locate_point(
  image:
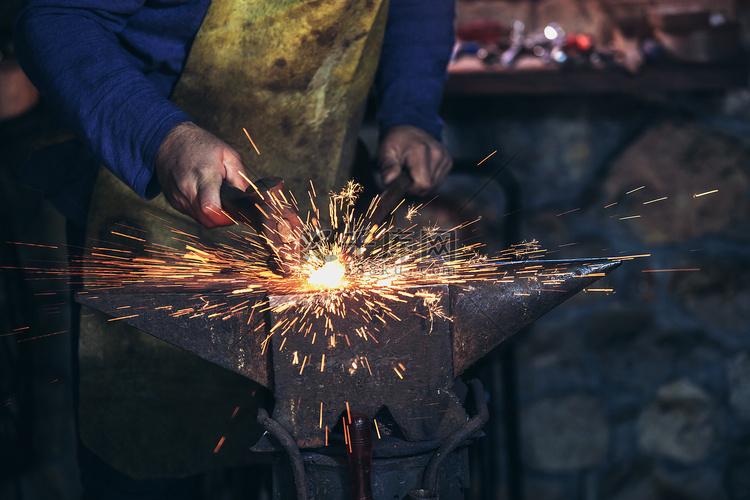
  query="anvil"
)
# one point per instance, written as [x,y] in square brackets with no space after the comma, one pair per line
[407,367]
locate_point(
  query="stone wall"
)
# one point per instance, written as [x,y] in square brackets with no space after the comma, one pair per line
[642,392]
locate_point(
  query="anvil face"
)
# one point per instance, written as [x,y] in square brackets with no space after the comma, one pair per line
[433,351]
[403,364]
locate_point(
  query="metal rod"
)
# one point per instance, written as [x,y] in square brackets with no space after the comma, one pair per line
[429,480]
[290,446]
[390,198]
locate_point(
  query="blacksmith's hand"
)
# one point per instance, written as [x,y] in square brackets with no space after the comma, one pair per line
[427,160]
[190,165]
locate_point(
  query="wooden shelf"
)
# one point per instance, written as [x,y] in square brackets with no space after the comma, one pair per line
[476,79]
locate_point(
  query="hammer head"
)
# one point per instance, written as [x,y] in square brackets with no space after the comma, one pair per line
[265,208]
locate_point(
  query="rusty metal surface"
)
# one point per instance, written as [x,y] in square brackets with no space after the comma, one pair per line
[359,370]
[366,373]
[487,312]
[459,436]
[185,319]
[263,207]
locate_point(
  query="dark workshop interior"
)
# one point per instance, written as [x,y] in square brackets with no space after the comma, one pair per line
[597,128]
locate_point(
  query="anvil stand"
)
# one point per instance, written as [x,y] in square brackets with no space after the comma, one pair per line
[400,469]
[405,381]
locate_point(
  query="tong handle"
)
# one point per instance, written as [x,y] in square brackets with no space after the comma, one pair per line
[391,197]
[237,203]
[277,222]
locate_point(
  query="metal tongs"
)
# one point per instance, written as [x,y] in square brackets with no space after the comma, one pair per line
[264,207]
[389,200]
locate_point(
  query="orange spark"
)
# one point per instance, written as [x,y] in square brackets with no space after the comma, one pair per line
[668,270]
[630,257]
[127,236]
[487,157]
[704,194]
[124,317]
[43,336]
[218,446]
[30,245]
[251,140]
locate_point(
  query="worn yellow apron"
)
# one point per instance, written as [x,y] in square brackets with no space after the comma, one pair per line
[295,74]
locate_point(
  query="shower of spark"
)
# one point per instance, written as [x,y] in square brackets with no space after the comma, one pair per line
[357,270]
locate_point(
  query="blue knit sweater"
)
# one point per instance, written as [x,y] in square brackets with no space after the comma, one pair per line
[107,68]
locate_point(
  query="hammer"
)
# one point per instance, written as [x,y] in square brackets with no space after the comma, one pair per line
[389,200]
[264,207]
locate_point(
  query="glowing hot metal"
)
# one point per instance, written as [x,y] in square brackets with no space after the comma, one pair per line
[329,275]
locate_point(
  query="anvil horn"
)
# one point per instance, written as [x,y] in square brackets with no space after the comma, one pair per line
[487,312]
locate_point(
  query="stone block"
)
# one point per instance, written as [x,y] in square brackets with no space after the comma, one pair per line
[738,372]
[565,434]
[681,162]
[718,294]
[551,358]
[643,480]
[629,480]
[678,423]
[738,469]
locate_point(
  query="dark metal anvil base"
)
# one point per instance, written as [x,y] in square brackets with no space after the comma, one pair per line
[433,350]
[400,469]
[408,370]
[328,477]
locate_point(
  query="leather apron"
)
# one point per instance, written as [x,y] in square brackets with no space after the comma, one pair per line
[296,75]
